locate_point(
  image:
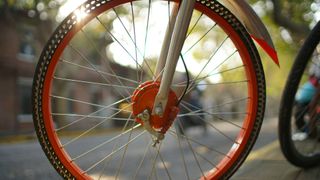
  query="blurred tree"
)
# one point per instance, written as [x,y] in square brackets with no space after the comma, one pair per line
[40,13]
[41,9]
[297,16]
[292,14]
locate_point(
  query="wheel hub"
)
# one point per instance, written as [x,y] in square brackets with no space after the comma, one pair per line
[143,100]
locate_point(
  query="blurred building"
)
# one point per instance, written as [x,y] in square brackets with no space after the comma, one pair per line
[21,39]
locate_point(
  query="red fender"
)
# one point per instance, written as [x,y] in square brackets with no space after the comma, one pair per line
[242,10]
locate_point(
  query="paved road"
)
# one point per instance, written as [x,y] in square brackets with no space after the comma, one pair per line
[267,162]
[25,160]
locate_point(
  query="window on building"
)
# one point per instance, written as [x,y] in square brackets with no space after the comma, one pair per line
[26,49]
[24,95]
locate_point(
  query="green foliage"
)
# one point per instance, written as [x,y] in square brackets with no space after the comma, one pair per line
[296,9]
[299,12]
[37,9]
[26,4]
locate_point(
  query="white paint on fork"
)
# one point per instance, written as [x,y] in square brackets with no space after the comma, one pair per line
[177,40]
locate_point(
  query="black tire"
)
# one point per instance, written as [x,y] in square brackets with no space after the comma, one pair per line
[290,151]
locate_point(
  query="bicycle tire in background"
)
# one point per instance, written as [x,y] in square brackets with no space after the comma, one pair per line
[86,75]
[285,127]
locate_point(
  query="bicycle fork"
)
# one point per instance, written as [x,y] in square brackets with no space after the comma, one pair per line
[163,112]
[170,52]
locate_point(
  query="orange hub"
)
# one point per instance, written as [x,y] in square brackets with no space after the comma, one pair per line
[143,99]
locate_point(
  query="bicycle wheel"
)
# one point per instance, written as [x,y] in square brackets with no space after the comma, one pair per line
[298,137]
[107,50]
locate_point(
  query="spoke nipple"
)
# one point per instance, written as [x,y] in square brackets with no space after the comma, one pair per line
[159,137]
[154,144]
[144,116]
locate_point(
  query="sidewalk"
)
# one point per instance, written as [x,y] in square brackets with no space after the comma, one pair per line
[12,139]
[268,163]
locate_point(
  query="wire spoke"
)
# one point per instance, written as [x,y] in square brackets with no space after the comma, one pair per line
[231,82]
[206,159]
[221,72]
[108,66]
[197,109]
[198,143]
[216,106]
[122,46]
[142,159]
[96,70]
[203,36]
[85,117]
[182,155]
[101,72]
[124,27]
[211,125]
[155,161]
[175,134]
[117,150]
[209,60]
[225,60]
[191,148]
[147,30]
[106,163]
[124,153]
[135,41]
[164,165]
[107,142]
[93,83]
[207,76]
[194,25]
[208,113]
[88,116]
[90,129]
[92,104]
